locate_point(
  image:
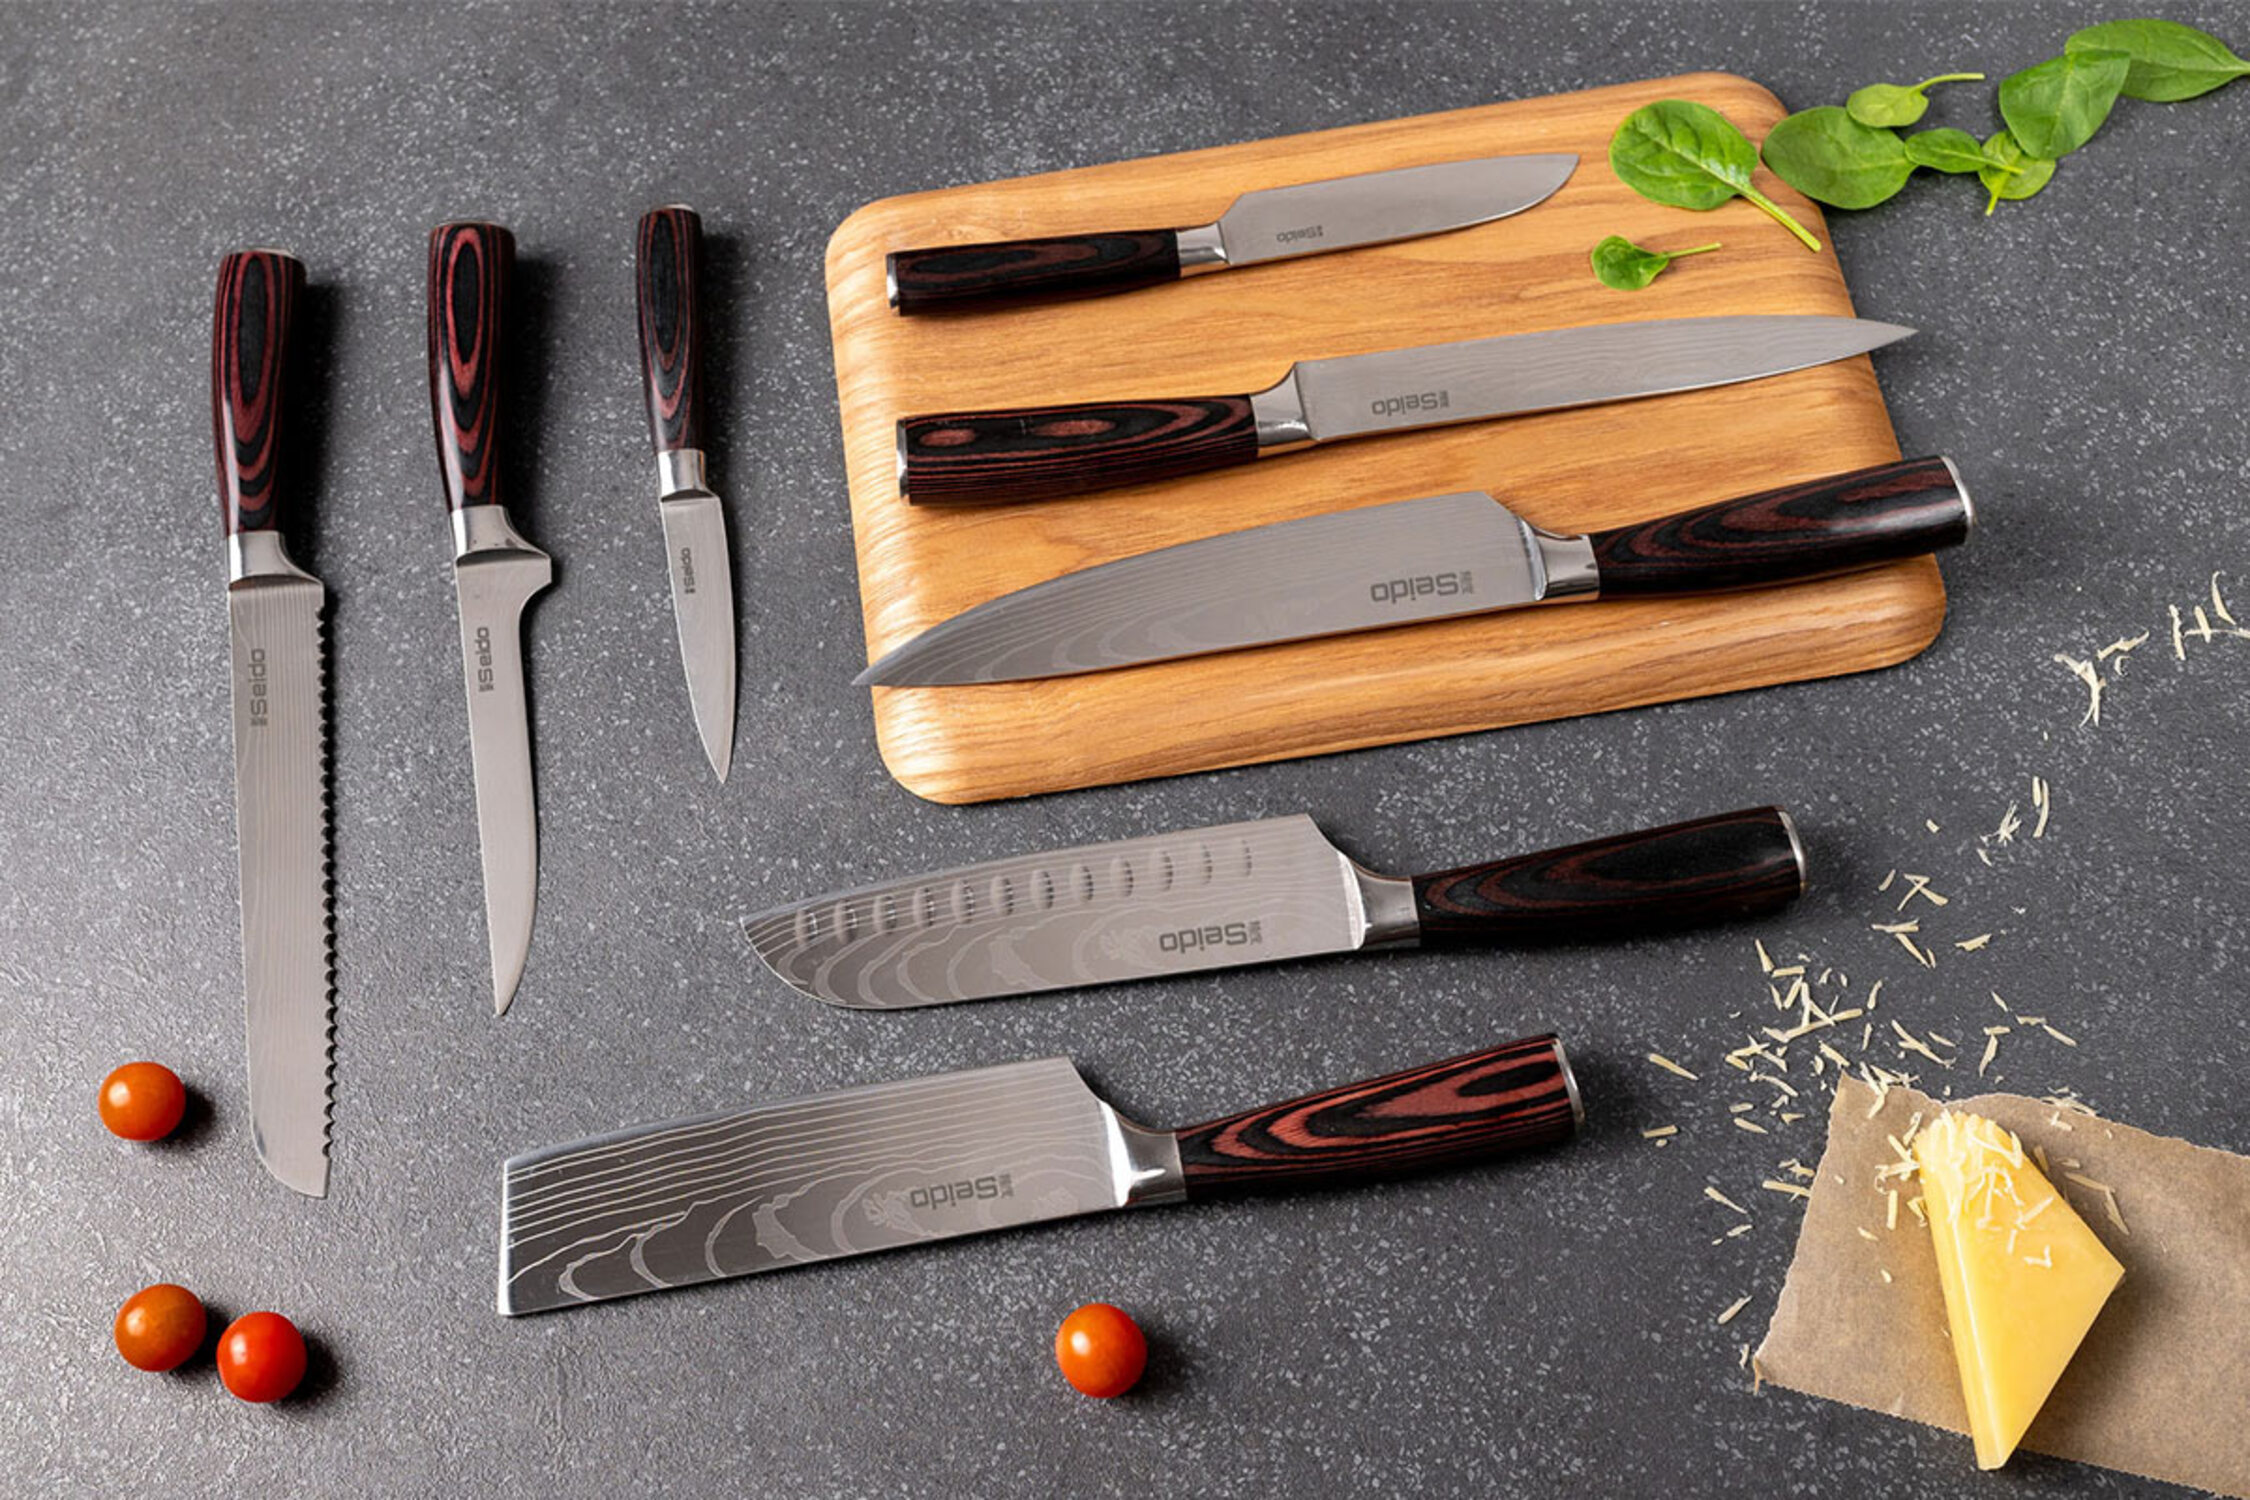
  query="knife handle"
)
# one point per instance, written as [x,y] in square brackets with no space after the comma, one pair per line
[1737,864]
[1798,531]
[1465,1109]
[1047,452]
[470,266]
[668,264]
[251,316]
[999,272]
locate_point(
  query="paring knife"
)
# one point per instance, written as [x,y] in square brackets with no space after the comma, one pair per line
[280,753]
[778,1185]
[1308,218]
[495,572]
[668,264]
[1429,559]
[1045,452]
[1245,893]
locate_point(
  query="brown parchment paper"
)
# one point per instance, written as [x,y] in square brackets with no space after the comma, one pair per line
[2161,1387]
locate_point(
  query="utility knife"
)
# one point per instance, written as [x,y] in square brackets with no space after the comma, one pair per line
[1246,893]
[1428,559]
[875,1168]
[1307,218]
[1046,452]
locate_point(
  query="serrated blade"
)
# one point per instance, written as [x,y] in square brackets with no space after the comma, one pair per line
[281,823]
[493,587]
[695,544]
[1375,208]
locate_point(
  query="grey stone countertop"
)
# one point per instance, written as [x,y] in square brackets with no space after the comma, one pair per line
[1544,1326]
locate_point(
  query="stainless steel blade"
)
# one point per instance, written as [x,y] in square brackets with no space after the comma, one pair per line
[695,542]
[1376,207]
[808,1180]
[493,587]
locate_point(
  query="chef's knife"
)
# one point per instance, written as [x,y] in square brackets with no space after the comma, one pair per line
[1044,452]
[1306,218]
[875,1168]
[495,572]
[1429,559]
[1245,893]
[669,263]
[280,754]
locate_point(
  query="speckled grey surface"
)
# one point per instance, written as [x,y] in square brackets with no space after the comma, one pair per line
[1541,1327]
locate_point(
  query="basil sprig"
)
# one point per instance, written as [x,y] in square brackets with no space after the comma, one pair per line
[1691,156]
[1626,267]
[1888,104]
[2169,61]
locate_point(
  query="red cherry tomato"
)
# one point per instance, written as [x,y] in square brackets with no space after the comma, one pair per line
[1101,1350]
[159,1327]
[261,1356]
[143,1101]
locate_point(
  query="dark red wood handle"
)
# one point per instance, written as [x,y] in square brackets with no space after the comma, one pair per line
[1047,452]
[1734,865]
[1464,1109]
[470,266]
[256,303]
[668,264]
[1000,272]
[1822,526]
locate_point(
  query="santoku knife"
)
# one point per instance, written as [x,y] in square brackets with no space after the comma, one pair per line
[1308,218]
[669,264]
[788,1184]
[280,755]
[1044,452]
[495,573]
[1244,893]
[1429,559]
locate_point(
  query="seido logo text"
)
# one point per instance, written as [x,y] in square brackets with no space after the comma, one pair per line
[1309,232]
[257,687]
[968,1190]
[1216,935]
[687,570]
[1423,586]
[484,658]
[1399,406]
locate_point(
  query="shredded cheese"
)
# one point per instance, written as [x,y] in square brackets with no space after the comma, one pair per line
[1734,1307]
[1669,1066]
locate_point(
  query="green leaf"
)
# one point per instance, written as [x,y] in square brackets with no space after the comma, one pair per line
[2170,61]
[2014,173]
[2055,107]
[1689,155]
[1954,151]
[1830,157]
[1626,267]
[1884,105]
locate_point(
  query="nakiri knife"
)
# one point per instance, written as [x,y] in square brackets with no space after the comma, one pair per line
[876,1168]
[668,264]
[1047,452]
[1246,893]
[1429,559]
[280,752]
[1306,218]
[495,573]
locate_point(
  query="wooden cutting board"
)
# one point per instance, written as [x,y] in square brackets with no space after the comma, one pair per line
[1240,330]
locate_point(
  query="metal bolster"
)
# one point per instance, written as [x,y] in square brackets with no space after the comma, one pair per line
[1144,1164]
[485,528]
[1567,563]
[1387,905]
[1203,248]
[1968,506]
[259,554]
[1570,1086]
[1796,849]
[1280,413]
[680,469]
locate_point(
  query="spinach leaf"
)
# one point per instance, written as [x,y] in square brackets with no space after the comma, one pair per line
[1954,151]
[1830,157]
[1888,104]
[2014,173]
[2054,107]
[2170,61]
[1690,156]
[1626,267]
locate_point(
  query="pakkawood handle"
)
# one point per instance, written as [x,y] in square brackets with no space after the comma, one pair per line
[1464,1109]
[999,272]
[1821,526]
[1737,864]
[1047,452]
[470,266]
[668,264]
[256,303]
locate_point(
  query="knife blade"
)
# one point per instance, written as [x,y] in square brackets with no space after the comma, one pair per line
[1247,893]
[1306,218]
[1431,559]
[875,1168]
[280,760]
[495,573]
[668,265]
[1047,452]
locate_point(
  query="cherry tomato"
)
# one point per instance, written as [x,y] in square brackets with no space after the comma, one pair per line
[159,1327]
[143,1101]
[1101,1350]
[261,1356]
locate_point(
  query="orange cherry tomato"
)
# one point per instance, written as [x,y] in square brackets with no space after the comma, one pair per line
[143,1101]
[160,1327]
[1101,1350]
[261,1356]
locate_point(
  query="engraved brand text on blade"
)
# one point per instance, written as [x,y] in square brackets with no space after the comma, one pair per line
[945,1194]
[484,659]
[1216,935]
[257,687]
[1309,232]
[1398,406]
[1423,586]
[687,570]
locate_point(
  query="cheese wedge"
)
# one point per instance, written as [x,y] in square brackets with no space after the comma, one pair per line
[2023,1275]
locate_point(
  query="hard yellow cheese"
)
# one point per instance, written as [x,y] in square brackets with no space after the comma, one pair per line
[2023,1275]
